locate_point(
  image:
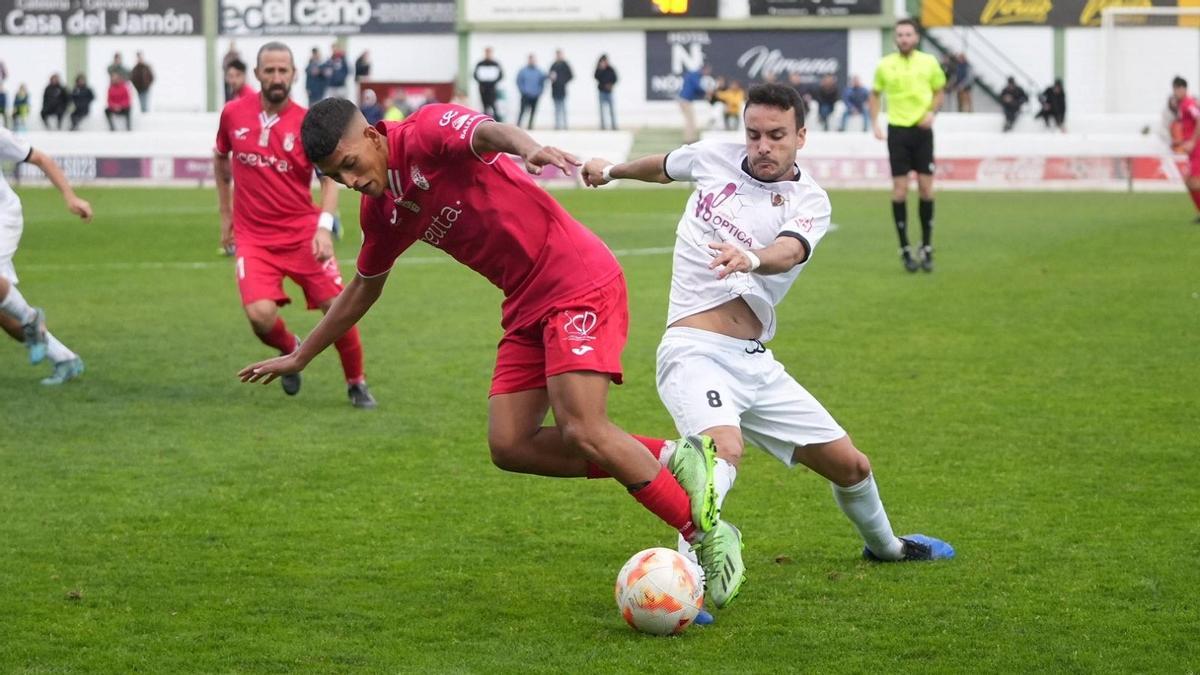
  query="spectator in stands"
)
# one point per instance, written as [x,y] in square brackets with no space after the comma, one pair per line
[1054,105]
[119,101]
[947,64]
[231,55]
[235,81]
[691,91]
[117,66]
[606,78]
[338,72]
[3,96]
[1012,98]
[141,77]
[827,96]
[397,106]
[54,103]
[963,81]
[854,98]
[560,76]
[531,81]
[734,98]
[20,109]
[488,74]
[316,78]
[370,107]
[362,67]
[81,100]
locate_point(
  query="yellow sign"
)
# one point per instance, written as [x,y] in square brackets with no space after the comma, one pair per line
[672,6]
[1000,12]
[1090,16]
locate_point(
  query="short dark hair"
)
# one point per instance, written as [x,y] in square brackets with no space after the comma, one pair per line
[909,22]
[324,125]
[274,46]
[236,64]
[778,96]
[1179,82]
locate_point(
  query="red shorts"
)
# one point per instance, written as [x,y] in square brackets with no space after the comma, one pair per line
[260,273]
[586,333]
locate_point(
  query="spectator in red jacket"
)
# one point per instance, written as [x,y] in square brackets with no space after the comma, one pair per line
[119,101]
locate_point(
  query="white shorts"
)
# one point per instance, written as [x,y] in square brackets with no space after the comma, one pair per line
[706,380]
[10,236]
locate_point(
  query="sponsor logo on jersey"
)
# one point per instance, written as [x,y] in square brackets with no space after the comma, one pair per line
[289,142]
[418,178]
[241,133]
[255,159]
[442,223]
[706,203]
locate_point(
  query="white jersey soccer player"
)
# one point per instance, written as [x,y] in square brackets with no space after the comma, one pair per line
[25,323]
[748,230]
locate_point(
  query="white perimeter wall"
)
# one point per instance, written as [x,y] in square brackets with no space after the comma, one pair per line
[1133,71]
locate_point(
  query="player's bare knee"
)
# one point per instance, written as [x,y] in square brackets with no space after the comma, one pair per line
[729,445]
[505,451]
[854,467]
[262,320]
[585,436]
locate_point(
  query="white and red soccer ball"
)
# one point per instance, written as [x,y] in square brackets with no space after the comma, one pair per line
[659,591]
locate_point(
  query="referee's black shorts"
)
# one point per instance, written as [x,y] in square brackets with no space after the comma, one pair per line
[910,149]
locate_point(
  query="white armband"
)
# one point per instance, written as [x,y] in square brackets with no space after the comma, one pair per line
[606,174]
[325,221]
[755,263]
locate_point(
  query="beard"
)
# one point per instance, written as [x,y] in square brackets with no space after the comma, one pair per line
[277,93]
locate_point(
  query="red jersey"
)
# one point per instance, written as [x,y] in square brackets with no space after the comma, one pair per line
[485,212]
[272,197]
[1189,114]
[245,91]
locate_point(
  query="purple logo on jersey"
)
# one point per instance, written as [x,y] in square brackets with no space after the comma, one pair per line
[709,202]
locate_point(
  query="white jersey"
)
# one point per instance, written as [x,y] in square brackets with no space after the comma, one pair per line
[12,149]
[731,206]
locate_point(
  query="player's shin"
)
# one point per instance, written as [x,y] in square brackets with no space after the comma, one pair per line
[14,305]
[926,210]
[900,217]
[656,446]
[864,508]
[665,498]
[279,337]
[1195,194]
[724,474]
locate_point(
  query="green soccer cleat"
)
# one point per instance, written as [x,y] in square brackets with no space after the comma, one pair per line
[65,371]
[720,554]
[692,465]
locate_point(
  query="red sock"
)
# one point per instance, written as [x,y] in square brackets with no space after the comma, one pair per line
[654,445]
[279,337]
[349,348]
[1195,198]
[666,499]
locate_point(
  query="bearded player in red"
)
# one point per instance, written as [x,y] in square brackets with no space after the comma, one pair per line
[1188,117]
[441,176]
[271,218]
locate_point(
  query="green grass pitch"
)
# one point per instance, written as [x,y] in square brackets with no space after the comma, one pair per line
[1034,401]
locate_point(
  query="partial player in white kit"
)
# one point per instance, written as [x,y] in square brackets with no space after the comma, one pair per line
[747,231]
[25,323]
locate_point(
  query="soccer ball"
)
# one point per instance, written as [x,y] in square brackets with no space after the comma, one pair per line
[659,591]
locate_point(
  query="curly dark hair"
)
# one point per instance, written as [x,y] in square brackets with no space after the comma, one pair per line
[324,125]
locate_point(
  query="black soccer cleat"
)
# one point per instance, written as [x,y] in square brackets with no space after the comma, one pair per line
[290,383]
[360,396]
[925,255]
[906,258]
[916,547]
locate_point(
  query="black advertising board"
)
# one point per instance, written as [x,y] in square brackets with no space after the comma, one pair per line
[95,17]
[814,7]
[335,17]
[749,56]
[646,9]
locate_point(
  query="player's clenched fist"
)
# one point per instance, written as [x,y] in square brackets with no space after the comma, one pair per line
[593,172]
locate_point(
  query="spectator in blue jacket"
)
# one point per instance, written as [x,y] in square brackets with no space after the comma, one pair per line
[338,72]
[855,99]
[692,90]
[316,80]
[531,81]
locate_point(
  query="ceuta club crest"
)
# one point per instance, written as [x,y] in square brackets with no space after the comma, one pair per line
[289,142]
[419,179]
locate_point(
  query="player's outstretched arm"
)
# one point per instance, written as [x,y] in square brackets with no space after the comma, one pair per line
[49,167]
[648,169]
[781,256]
[347,310]
[492,137]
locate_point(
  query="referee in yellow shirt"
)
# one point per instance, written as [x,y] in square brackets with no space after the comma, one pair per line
[912,81]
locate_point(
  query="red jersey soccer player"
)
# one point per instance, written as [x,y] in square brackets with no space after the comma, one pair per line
[1188,116]
[271,216]
[440,176]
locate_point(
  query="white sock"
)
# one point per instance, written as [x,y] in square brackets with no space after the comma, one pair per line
[862,506]
[15,306]
[57,351]
[724,474]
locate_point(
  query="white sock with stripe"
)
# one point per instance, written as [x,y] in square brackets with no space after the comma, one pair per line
[864,508]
